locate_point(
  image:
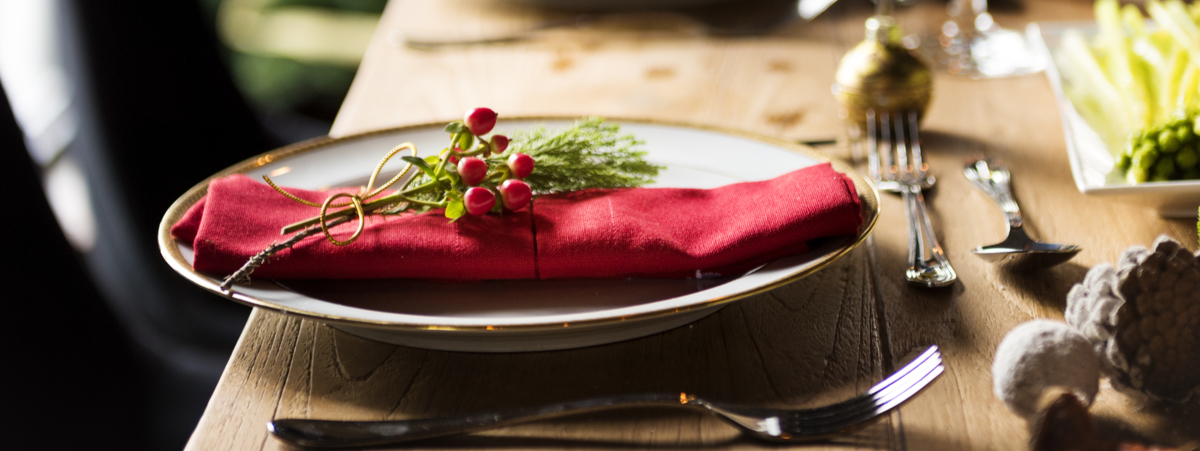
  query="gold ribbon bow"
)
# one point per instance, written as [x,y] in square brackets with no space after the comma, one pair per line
[364,194]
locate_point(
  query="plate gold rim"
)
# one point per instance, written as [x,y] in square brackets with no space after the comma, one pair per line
[868,197]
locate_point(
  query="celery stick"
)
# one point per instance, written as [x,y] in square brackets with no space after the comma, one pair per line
[1150,76]
[1151,65]
[1129,83]
[1134,22]
[1168,93]
[1082,69]
[1180,13]
[1185,99]
[1174,18]
[1164,42]
[1152,72]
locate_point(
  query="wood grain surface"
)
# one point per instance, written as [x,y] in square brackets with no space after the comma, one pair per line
[815,341]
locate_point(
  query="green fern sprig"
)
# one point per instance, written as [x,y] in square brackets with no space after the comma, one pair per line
[590,154]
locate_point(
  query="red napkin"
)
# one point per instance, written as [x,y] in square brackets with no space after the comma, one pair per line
[645,232]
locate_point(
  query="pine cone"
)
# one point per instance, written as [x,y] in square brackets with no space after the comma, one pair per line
[1143,319]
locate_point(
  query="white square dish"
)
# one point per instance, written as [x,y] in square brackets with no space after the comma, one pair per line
[1091,162]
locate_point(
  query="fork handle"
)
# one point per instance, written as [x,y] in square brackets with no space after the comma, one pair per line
[933,272]
[342,434]
[993,178]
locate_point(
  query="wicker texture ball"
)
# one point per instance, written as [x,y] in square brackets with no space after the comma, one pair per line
[1143,319]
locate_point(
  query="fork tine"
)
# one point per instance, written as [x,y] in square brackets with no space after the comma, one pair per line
[873,167]
[889,389]
[918,168]
[910,386]
[889,167]
[902,172]
[930,352]
[912,390]
[881,401]
[919,377]
[897,378]
[871,406]
[861,417]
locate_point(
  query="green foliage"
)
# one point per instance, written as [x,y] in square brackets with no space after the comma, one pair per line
[590,154]
[420,164]
[281,84]
[455,209]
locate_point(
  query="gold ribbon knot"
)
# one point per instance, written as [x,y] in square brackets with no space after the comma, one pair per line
[364,194]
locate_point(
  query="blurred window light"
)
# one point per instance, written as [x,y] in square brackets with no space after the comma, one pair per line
[810,9]
[302,33]
[70,199]
[34,76]
[35,80]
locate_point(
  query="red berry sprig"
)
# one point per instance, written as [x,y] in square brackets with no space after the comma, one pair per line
[479,201]
[521,165]
[480,121]
[598,157]
[467,176]
[472,170]
[465,181]
[515,193]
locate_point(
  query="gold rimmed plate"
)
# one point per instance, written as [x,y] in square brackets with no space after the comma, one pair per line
[522,315]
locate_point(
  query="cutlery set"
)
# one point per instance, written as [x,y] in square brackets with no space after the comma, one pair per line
[895,171]
[896,165]
[884,92]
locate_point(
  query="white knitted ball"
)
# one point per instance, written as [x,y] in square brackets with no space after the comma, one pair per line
[1040,354]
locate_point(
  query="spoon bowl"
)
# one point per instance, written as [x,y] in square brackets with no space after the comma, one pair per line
[1018,252]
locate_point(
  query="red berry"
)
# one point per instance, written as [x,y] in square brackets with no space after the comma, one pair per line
[480,121]
[479,201]
[521,165]
[499,143]
[472,170]
[515,194]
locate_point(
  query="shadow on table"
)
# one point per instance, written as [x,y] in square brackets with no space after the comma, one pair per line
[1128,419]
[1048,287]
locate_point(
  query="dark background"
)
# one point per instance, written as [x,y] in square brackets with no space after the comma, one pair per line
[112,348]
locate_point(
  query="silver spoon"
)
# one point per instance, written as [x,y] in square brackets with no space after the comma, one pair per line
[1018,252]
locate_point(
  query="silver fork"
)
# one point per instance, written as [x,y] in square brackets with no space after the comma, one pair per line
[893,171]
[777,425]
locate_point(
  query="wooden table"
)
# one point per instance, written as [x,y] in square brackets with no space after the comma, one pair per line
[817,340]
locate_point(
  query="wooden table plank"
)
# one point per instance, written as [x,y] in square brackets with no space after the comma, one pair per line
[250,386]
[815,341]
[758,351]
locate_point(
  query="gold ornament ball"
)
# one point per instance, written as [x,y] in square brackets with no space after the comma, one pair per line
[879,74]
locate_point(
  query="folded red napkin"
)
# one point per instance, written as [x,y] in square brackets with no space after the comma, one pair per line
[644,232]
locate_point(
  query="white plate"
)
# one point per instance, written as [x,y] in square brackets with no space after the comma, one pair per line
[522,315]
[1091,162]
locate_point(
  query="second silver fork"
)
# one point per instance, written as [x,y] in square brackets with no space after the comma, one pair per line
[895,171]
